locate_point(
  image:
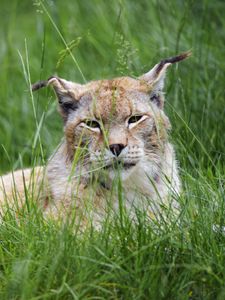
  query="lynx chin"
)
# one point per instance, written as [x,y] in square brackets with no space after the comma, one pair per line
[115,147]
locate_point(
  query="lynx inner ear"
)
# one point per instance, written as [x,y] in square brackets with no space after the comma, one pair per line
[68,93]
[155,77]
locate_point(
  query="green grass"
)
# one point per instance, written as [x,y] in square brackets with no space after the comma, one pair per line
[44,260]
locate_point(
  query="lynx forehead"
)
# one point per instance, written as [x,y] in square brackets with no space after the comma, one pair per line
[110,99]
[111,95]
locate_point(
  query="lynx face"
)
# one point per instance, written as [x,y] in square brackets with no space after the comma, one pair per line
[116,124]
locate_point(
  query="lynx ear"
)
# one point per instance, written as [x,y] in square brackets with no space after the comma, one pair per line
[155,77]
[68,93]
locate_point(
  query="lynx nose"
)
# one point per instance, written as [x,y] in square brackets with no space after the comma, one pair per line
[116,148]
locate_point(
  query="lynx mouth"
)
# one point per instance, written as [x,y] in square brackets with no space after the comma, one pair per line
[120,165]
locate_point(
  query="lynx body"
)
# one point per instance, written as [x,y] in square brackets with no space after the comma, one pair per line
[116,135]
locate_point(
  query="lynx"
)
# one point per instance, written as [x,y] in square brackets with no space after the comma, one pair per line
[115,143]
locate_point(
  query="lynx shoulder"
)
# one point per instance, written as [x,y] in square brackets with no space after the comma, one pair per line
[116,131]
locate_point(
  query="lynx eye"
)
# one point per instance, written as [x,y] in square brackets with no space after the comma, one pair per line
[91,124]
[134,119]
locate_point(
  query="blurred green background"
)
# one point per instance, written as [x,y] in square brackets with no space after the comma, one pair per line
[107,39]
[185,261]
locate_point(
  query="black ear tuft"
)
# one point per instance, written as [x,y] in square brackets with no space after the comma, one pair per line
[39,85]
[155,77]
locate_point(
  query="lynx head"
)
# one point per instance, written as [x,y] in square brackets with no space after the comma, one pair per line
[120,123]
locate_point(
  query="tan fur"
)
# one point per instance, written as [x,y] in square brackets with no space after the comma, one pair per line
[15,186]
[83,173]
